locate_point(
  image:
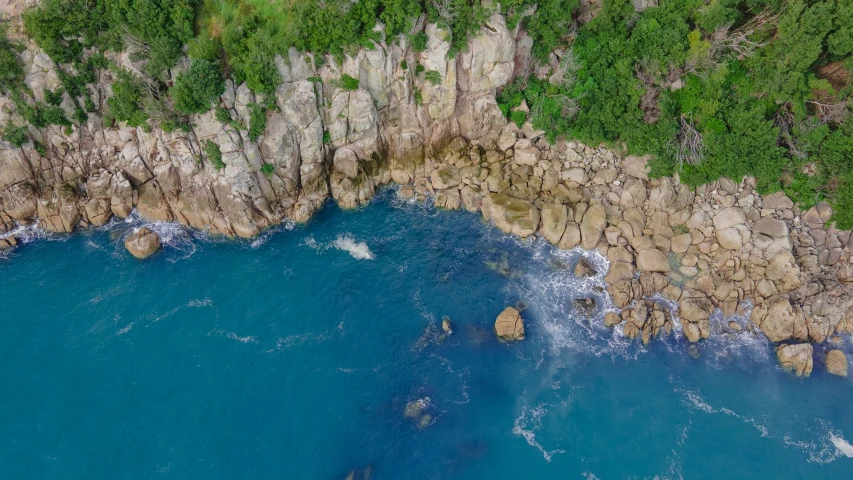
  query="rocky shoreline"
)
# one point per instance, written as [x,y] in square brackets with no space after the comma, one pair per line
[722,246]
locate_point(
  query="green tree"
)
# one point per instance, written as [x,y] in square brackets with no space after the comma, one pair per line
[126,102]
[198,88]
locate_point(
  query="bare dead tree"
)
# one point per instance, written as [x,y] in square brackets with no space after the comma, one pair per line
[785,120]
[446,9]
[649,102]
[691,147]
[568,107]
[739,40]
[568,69]
[835,113]
[137,48]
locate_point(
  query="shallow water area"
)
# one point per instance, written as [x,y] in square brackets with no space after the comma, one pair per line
[314,350]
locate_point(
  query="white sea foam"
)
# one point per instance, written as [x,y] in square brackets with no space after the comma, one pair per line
[125,329]
[526,425]
[549,290]
[267,234]
[357,250]
[694,399]
[843,446]
[246,339]
[30,233]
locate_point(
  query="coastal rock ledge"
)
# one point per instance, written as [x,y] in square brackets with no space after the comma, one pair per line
[718,247]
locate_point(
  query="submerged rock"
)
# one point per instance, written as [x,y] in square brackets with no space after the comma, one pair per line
[417,411]
[365,473]
[584,306]
[836,363]
[142,243]
[584,269]
[445,325]
[796,358]
[509,325]
[415,408]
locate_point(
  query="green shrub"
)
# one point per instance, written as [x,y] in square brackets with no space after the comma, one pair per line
[257,121]
[17,136]
[214,155]
[268,169]
[518,118]
[419,69]
[223,115]
[404,65]
[548,25]
[433,77]
[89,105]
[249,41]
[327,138]
[80,115]
[11,72]
[419,41]
[197,88]
[40,115]
[418,96]
[349,83]
[39,148]
[53,98]
[203,47]
[126,102]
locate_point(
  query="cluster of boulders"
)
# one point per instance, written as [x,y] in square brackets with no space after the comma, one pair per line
[721,246]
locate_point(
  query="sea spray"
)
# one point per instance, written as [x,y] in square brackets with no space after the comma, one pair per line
[358,250]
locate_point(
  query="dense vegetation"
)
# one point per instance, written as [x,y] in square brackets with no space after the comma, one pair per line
[728,89]
[711,88]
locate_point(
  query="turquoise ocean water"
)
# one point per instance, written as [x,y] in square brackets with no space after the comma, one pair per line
[294,355]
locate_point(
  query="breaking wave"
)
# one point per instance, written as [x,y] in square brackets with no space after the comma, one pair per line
[358,250]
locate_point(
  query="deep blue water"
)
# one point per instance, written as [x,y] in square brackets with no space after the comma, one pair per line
[287,357]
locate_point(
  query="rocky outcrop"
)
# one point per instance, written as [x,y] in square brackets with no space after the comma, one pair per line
[509,325]
[720,246]
[142,243]
[836,363]
[796,358]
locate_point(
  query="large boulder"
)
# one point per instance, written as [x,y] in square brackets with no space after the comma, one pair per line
[445,177]
[594,221]
[771,227]
[730,238]
[836,363]
[729,217]
[796,358]
[776,321]
[554,218]
[509,325]
[512,215]
[652,260]
[142,243]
